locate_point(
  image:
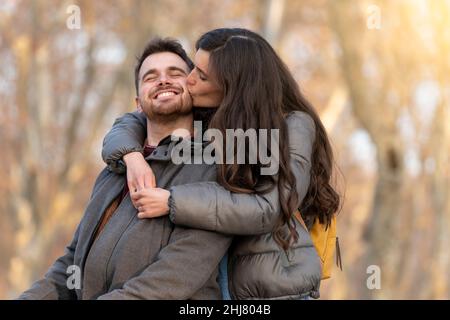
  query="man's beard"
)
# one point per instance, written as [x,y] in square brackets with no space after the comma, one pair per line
[167,112]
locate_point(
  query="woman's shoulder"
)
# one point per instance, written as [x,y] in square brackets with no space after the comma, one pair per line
[301,130]
[296,119]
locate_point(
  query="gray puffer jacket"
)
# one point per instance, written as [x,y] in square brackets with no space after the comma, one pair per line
[257,267]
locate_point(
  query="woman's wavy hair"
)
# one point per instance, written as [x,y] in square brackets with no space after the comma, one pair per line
[258,92]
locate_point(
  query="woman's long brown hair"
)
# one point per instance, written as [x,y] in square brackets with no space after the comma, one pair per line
[258,92]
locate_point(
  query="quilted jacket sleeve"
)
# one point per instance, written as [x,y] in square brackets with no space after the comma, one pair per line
[209,206]
[127,135]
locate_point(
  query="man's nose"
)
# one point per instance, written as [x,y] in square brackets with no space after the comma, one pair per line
[164,79]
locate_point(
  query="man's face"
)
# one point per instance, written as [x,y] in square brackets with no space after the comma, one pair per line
[162,86]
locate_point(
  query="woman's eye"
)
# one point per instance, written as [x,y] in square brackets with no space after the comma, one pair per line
[202,78]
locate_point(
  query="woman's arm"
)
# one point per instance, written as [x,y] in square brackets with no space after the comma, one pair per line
[123,145]
[209,206]
[127,135]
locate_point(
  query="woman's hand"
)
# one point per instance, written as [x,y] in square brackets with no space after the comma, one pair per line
[139,173]
[151,202]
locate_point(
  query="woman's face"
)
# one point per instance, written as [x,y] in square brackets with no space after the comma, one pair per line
[201,84]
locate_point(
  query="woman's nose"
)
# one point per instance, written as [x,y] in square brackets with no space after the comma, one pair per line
[190,79]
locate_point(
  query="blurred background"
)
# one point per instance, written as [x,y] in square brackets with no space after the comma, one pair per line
[378,73]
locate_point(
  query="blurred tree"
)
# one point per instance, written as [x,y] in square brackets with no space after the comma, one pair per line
[381,70]
[61,106]
[60,90]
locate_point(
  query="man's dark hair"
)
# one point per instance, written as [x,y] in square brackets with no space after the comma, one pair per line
[157,45]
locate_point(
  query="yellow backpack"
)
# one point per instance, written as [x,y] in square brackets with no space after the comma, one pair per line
[326,243]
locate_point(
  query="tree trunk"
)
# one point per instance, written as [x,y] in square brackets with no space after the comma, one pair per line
[373,110]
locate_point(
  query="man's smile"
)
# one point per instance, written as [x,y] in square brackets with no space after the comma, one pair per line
[162,94]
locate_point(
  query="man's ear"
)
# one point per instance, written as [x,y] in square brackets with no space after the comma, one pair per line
[138,104]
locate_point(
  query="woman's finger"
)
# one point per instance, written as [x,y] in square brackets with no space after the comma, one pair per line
[137,196]
[149,181]
[139,205]
[153,181]
[140,183]
[145,214]
[131,186]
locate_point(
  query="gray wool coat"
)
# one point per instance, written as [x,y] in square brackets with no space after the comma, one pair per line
[138,258]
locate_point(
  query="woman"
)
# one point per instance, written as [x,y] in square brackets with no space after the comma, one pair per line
[240,74]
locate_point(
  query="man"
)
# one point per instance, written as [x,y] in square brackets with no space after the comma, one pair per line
[121,256]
